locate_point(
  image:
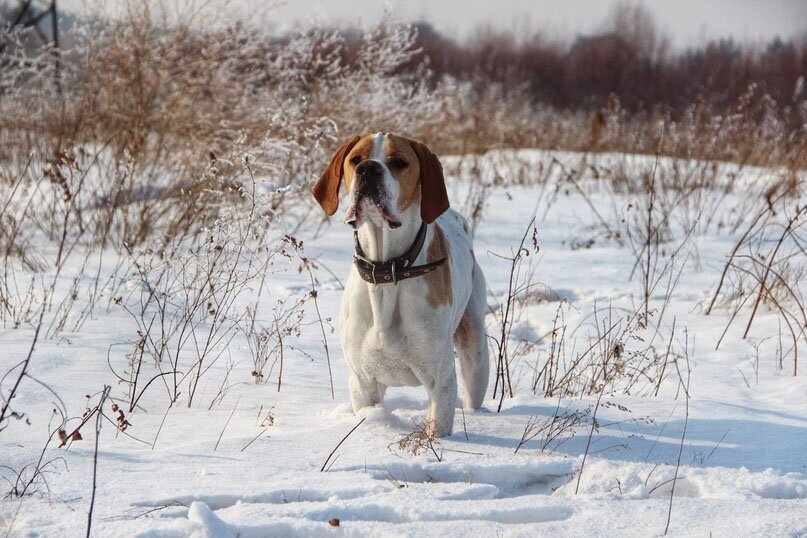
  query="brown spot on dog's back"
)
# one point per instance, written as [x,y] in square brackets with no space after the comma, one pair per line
[439,280]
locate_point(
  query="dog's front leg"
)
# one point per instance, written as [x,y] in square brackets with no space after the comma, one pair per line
[364,392]
[442,398]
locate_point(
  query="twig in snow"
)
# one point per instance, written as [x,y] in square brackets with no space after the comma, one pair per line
[683,433]
[666,357]
[254,439]
[226,424]
[322,469]
[770,258]
[590,435]
[464,429]
[298,248]
[25,363]
[503,382]
[98,423]
[269,420]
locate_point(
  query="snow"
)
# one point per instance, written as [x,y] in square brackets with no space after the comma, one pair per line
[743,465]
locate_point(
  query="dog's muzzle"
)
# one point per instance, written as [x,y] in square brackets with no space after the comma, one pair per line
[370,195]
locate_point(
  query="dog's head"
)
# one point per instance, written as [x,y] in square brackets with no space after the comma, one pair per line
[386,175]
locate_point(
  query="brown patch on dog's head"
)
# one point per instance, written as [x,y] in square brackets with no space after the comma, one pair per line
[404,165]
[361,151]
[439,281]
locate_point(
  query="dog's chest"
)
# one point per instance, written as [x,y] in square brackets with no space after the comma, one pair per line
[388,335]
[389,358]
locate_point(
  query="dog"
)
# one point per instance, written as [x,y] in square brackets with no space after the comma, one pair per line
[415,291]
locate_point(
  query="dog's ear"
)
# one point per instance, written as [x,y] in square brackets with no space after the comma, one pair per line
[326,189]
[434,198]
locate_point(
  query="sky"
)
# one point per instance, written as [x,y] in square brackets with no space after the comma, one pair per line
[686,22]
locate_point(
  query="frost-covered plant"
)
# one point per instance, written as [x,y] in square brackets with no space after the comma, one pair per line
[553,431]
[765,270]
[421,439]
[609,350]
[183,296]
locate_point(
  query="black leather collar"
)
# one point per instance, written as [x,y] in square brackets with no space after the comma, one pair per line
[397,269]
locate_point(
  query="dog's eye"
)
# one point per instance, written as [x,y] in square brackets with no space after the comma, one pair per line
[356,160]
[398,163]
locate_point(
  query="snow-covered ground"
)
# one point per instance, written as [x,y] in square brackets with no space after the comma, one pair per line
[743,459]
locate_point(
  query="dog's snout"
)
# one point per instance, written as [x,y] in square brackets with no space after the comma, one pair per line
[369,169]
[370,197]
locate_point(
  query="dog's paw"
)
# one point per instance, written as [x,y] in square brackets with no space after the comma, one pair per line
[375,413]
[339,410]
[480,409]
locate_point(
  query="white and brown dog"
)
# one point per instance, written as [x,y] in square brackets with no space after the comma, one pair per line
[406,307]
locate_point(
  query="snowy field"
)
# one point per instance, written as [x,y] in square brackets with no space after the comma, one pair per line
[654,419]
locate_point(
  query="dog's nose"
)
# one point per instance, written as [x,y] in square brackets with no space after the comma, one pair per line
[369,169]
